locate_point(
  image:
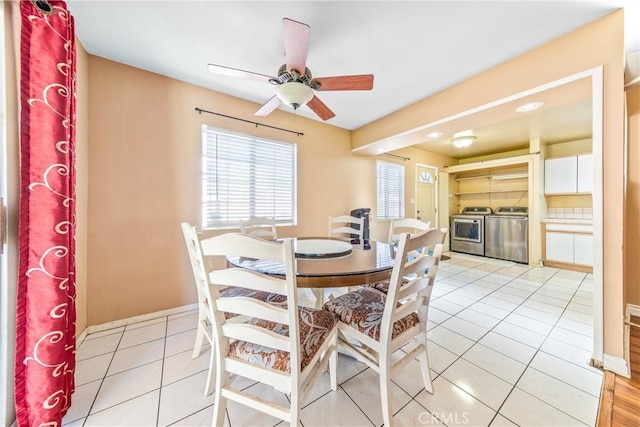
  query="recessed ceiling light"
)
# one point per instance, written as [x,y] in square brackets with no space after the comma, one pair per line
[434,135]
[529,106]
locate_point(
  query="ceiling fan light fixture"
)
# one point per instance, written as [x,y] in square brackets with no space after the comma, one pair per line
[294,94]
[463,141]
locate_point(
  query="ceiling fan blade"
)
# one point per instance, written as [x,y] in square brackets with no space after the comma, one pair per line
[357,82]
[268,107]
[320,109]
[296,44]
[234,72]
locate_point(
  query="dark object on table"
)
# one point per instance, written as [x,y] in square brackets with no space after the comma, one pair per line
[362,213]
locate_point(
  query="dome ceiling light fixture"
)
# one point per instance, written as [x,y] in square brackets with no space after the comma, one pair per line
[463,139]
[294,94]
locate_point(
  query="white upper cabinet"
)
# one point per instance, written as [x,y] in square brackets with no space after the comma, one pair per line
[561,175]
[569,175]
[585,173]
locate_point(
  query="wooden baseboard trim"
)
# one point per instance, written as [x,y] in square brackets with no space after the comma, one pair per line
[566,266]
[605,409]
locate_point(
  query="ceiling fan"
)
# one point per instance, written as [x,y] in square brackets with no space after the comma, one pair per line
[295,83]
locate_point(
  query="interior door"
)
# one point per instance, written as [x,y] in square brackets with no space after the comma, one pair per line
[444,211]
[427,194]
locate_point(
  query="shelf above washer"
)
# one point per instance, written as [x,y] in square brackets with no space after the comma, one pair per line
[490,192]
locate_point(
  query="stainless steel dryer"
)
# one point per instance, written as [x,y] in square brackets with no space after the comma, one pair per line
[507,234]
[467,230]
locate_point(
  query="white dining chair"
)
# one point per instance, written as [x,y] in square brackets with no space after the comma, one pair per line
[384,284]
[260,227]
[374,325]
[192,237]
[345,226]
[406,225]
[283,346]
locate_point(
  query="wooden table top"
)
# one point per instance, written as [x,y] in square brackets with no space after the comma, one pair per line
[367,262]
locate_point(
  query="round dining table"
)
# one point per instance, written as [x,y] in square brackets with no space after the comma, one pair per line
[323,262]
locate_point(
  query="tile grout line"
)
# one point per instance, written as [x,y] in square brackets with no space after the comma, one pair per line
[164,353]
[475,342]
[529,365]
[103,378]
[503,320]
[356,403]
[497,412]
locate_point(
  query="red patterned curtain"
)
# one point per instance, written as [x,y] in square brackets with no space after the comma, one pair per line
[45,324]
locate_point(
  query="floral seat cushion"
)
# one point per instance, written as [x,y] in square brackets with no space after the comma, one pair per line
[232,292]
[362,309]
[382,286]
[315,326]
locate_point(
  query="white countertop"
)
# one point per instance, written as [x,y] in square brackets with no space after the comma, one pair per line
[567,221]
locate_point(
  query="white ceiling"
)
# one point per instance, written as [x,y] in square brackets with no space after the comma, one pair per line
[414,49]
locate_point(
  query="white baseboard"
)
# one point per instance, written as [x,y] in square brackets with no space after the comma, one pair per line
[81,338]
[140,318]
[633,310]
[617,365]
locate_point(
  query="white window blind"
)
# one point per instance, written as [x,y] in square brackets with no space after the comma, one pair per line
[390,190]
[245,177]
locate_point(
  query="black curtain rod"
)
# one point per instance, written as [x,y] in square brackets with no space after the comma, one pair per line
[396,156]
[200,111]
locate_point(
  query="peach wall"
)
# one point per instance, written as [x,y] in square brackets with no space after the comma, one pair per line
[82,184]
[597,44]
[144,157]
[632,220]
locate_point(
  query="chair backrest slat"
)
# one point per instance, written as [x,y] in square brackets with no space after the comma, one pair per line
[248,279]
[251,307]
[411,287]
[257,335]
[345,230]
[404,310]
[345,225]
[259,227]
[235,244]
[406,225]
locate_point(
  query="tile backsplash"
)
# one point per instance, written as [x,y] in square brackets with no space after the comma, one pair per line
[570,213]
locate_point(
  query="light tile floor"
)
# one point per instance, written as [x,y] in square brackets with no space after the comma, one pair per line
[509,345]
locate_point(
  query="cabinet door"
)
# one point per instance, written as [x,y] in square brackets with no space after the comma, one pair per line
[561,175]
[583,249]
[559,247]
[585,173]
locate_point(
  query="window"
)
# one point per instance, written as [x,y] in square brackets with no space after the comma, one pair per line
[426,177]
[390,190]
[245,177]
